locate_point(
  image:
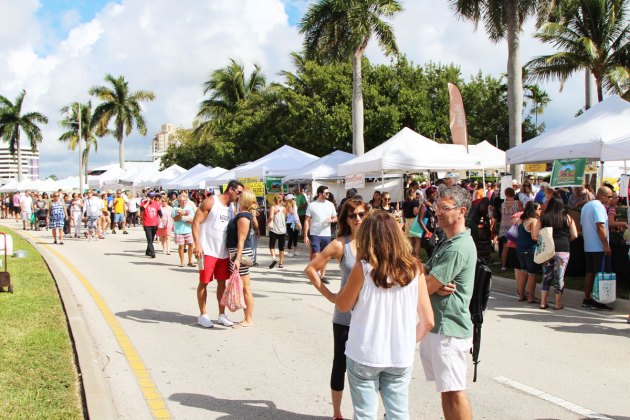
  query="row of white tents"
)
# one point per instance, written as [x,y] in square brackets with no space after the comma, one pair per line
[601,133]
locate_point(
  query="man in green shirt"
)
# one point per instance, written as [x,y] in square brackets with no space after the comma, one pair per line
[450,276]
[302,203]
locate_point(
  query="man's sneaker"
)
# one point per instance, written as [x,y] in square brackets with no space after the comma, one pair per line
[587,303]
[600,307]
[204,321]
[224,320]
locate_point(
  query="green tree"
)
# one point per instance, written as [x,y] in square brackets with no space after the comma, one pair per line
[227,86]
[13,122]
[539,100]
[123,107]
[335,30]
[503,19]
[592,35]
[70,123]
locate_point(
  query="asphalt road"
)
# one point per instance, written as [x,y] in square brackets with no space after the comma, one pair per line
[141,315]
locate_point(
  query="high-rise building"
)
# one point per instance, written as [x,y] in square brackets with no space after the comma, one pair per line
[9,164]
[162,140]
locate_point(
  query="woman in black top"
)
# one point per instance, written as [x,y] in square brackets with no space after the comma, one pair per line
[564,230]
[410,209]
[386,199]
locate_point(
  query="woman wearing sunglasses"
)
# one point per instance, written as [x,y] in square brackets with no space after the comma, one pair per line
[343,249]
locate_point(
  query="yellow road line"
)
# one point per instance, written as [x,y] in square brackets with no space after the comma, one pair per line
[152,396]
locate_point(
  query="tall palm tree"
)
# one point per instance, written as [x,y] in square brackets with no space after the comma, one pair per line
[503,19]
[227,86]
[595,36]
[13,122]
[121,106]
[88,130]
[539,100]
[337,30]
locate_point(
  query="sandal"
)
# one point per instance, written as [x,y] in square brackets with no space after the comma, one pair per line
[181,264]
[536,300]
[544,306]
[191,264]
[280,266]
[558,308]
[273,264]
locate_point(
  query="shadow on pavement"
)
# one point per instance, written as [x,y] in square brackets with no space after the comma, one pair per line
[152,316]
[240,409]
[582,322]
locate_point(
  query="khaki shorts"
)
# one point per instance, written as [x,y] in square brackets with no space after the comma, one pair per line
[444,361]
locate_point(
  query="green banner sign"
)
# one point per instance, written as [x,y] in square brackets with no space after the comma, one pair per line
[274,186]
[568,172]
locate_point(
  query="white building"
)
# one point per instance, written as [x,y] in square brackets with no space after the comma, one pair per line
[162,140]
[9,164]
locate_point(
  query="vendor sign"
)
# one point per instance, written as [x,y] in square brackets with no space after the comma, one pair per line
[568,172]
[274,186]
[355,181]
[535,167]
[257,187]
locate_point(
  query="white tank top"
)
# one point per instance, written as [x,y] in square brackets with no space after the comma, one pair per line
[213,230]
[383,327]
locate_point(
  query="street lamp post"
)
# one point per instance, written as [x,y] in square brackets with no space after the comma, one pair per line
[80,153]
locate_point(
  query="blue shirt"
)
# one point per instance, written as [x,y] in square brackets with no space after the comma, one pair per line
[540,197]
[181,227]
[593,212]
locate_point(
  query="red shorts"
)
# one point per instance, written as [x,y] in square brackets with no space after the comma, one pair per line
[214,268]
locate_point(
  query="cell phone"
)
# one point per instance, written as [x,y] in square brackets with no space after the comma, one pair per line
[200,263]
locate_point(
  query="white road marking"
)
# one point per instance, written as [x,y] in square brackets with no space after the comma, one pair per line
[584,412]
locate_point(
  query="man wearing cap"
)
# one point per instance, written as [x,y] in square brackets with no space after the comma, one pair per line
[209,231]
[151,214]
[118,205]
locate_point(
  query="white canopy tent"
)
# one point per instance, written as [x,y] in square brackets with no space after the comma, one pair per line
[109,177]
[323,168]
[68,184]
[202,179]
[179,180]
[10,186]
[488,156]
[223,178]
[142,177]
[166,175]
[598,134]
[281,162]
[409,151]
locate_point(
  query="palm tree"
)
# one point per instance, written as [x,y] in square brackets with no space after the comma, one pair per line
[122,106]
[593,36]
[12,122]
[539,100]
[88,130]
[503,19]
[227,86]
[336,30]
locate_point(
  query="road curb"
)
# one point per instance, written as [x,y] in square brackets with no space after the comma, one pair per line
[97,396]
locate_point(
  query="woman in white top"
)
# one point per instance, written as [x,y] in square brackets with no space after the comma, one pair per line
[385,290]
[293,225]
[277,229]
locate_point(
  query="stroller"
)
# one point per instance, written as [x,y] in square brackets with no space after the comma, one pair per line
[41,216]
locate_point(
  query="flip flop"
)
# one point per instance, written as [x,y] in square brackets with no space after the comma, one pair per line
[544,306]
[181,265]
[558,308]
[280,266]
[191,265]
[536,300]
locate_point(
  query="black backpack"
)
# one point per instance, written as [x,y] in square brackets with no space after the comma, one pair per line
[478,305]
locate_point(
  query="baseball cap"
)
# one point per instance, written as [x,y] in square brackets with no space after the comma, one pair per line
[514,182]
[150,194]
[290,197]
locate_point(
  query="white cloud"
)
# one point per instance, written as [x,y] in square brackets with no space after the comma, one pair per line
[171,47]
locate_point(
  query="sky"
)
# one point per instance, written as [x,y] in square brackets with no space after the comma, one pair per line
[57,49]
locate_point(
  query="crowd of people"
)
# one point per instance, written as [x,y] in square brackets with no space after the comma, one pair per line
[377,245]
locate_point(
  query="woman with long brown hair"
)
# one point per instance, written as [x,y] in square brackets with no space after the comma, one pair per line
[385,290]
[344,250]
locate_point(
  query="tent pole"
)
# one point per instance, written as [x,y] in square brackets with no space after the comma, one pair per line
[483,177]
[382,181]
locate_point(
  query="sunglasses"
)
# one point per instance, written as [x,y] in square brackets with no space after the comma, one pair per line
[360,215]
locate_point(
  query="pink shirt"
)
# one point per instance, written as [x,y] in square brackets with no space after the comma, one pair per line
[150,213]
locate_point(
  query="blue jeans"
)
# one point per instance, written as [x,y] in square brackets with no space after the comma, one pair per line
[365,382]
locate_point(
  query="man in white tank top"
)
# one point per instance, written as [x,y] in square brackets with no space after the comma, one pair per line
[209,231]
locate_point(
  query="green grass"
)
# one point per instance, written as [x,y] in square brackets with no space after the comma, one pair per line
[38,375]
